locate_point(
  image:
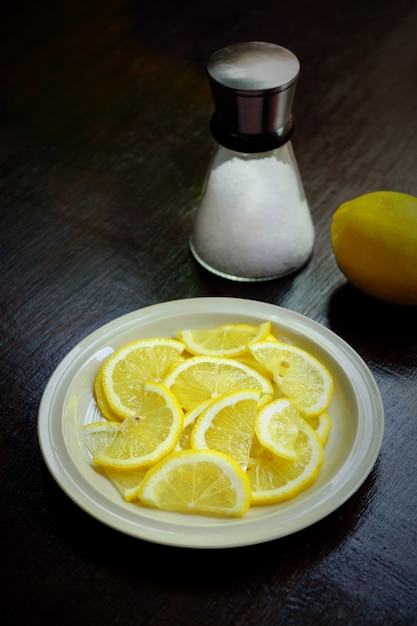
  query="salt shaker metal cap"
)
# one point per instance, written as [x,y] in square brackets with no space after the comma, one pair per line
[253,86]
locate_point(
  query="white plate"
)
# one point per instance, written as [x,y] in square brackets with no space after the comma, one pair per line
[353,446]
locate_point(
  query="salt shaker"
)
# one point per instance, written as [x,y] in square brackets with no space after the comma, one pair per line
[252,221]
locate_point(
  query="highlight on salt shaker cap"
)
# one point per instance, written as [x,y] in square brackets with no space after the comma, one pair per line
[254,66]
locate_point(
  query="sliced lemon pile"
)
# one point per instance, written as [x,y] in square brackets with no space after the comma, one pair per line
[227,340]
[227,425]
[211,433]
[194,481]
[202,378]
[139,441]
[297,374]
[125,372]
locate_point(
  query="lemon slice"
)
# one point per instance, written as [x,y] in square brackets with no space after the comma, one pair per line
[322,424]
[227,340]
[277,426]
[190,418]
[298,375]
[144,439]
[126,481]
[227,425]
[249,360]
[274,479]
[125,371]
[97,436]
[199,482]
[101,399]
[202,378]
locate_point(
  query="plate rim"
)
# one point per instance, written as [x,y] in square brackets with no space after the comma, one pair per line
[74,484]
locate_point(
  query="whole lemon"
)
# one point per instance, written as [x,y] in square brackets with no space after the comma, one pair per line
[374,238]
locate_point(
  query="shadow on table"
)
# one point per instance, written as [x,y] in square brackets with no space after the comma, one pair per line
[375,328]
[157,564]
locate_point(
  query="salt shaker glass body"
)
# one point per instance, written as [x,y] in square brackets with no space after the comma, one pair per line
[253,221]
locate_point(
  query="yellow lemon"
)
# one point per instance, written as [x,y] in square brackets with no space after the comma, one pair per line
[374,238]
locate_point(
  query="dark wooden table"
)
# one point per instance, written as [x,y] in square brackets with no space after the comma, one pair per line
[105,141]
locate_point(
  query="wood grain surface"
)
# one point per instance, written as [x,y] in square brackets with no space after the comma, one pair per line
[104,144]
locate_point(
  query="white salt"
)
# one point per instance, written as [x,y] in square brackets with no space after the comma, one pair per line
[253,221]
